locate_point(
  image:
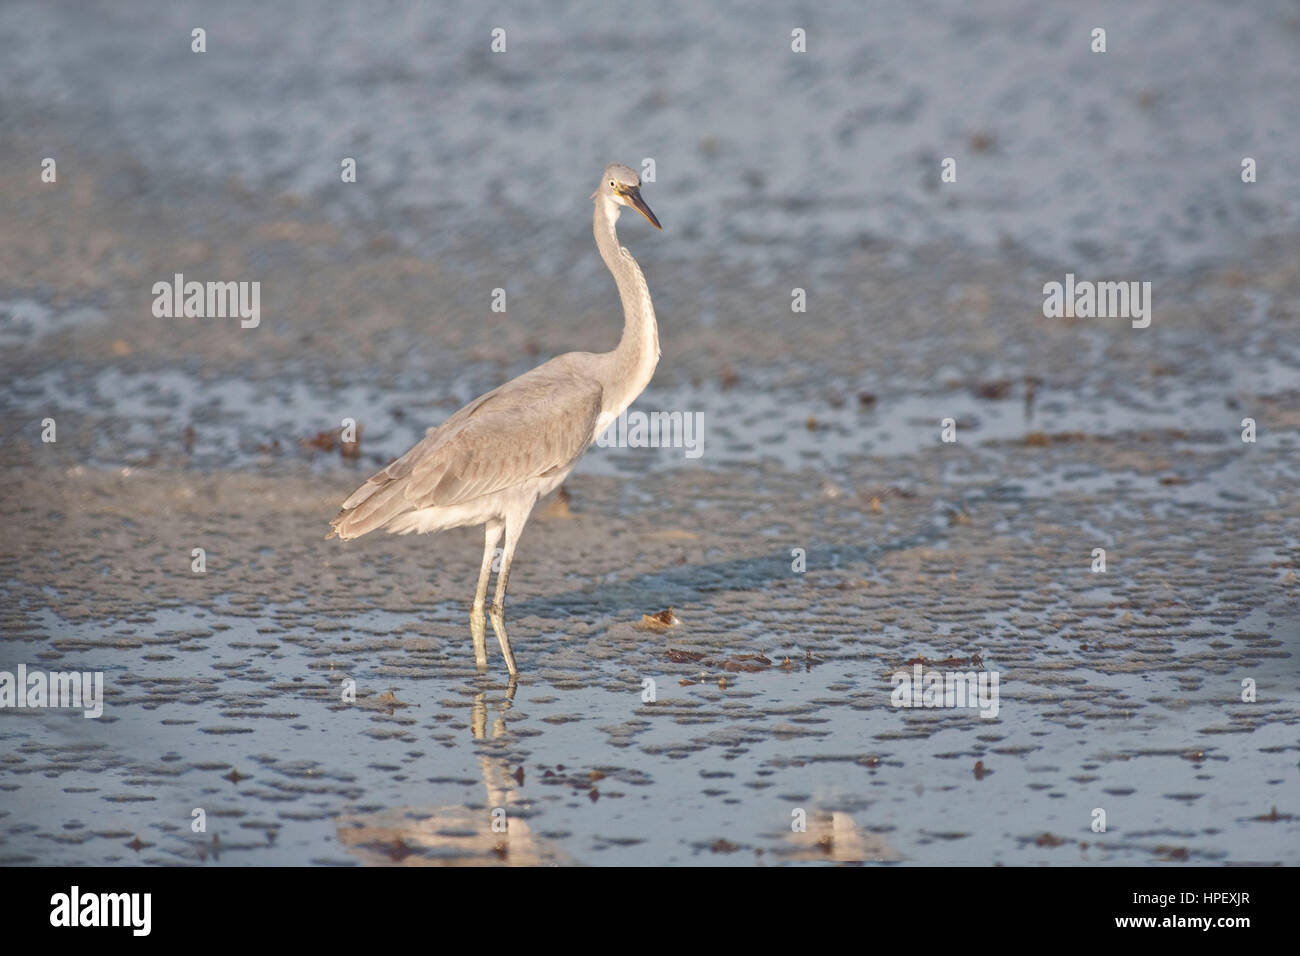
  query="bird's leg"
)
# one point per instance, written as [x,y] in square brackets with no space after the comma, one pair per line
[497,611]
[477,619]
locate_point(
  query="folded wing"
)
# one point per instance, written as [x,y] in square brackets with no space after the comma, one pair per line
[528,428]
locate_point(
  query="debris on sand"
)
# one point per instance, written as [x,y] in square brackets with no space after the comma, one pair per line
[1273,817]
[747,662]
[995,390]
[332,438]
[737,663]
[389,701]
[351,450]
[662,621]
[973,661]
[323,441]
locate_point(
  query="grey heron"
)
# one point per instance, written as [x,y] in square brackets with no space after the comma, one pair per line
[490,462]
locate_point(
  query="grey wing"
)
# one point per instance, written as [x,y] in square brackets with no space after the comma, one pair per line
[529,427]
[521,433]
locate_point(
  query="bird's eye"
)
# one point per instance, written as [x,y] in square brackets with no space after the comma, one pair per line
[611,184]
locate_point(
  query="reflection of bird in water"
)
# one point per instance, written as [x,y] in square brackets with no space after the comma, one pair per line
[455,835]
[835,838]
[491,461]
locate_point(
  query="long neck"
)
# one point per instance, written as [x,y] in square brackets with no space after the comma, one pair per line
[633,363]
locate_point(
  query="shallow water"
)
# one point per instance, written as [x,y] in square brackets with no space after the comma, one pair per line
[1119,691]
[1101,159]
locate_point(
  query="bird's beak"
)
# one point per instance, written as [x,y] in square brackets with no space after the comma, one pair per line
[633,197]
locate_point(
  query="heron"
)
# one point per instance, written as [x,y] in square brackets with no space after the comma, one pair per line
[491,461]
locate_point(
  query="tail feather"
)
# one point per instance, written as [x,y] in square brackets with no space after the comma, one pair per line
[380,506]
[379,481]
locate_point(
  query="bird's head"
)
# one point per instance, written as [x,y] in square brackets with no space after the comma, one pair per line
[621,186]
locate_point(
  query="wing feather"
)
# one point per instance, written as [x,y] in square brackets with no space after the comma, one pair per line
[531,426]
[528,428]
